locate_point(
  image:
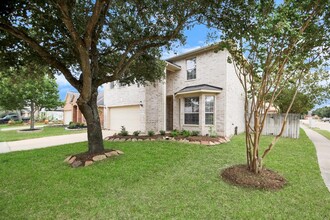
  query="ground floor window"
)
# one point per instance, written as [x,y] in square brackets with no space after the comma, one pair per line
[191,110]
[209,110]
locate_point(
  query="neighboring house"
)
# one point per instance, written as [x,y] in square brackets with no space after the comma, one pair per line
[72,112]
[200,92]
[52,114]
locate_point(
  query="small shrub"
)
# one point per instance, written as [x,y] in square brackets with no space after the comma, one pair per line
[162,132]
[194,133]
[174,133]
[12,122]
[72,125]
[136,133]
[212,132]
[123,131]
[185,133]
[151,133]
[77,125]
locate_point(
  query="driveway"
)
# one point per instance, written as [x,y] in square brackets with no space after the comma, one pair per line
[318,124]
[36,143]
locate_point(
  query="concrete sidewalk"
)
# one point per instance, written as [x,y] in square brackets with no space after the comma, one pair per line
[20,127]
[322,146]
[36,143]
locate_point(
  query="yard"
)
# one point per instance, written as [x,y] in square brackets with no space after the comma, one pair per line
[160,180]
[47,131]
[325,133]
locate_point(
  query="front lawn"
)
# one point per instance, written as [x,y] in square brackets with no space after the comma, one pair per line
[159,180]
[47,131]
[325,133]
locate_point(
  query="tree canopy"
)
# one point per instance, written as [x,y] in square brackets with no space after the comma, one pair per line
[322,112]
[33,90]
[274,46]
[94,42]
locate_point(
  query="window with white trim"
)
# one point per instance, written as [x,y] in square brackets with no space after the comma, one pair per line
[209,110]
[191,68]
[191,110]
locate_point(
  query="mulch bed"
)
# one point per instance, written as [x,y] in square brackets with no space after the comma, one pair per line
[216,140]
[87,156]
[240,175]
[29,130]
[87,159]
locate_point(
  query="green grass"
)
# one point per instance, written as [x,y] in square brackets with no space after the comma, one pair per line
[160,180]
[325,133]
[47,131]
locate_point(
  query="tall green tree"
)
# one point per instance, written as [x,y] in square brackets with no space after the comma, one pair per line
[273,46]
[322,112]
[33,90]
[94,42]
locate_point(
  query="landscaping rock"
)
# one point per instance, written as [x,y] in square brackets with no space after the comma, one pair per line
[122,139]
[116,139]
[211,143]
[204,142]
[67,159]
[222,141]
[88,162]
[72,159]
[195,142]
[217,143]
[111,153]
[76,164]
[134,139]
[99,157]
[119,152]
[140,139]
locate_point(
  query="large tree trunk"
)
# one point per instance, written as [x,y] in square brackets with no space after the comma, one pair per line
[94,131]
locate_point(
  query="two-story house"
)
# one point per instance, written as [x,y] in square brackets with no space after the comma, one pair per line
[200,92]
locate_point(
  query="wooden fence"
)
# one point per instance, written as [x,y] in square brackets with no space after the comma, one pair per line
[274,123]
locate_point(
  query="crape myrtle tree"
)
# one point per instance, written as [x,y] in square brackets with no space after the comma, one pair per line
[273,46]
[94,42]
[28,86]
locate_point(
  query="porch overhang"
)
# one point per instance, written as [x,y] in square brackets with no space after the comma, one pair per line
[199,89]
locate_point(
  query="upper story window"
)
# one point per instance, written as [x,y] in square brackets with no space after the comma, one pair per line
[191,110]
[209,110]
[191,68]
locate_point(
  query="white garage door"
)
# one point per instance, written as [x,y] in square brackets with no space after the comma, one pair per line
[67,117]
[128,116]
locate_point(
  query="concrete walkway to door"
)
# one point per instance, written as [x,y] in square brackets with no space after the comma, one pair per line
[322,146]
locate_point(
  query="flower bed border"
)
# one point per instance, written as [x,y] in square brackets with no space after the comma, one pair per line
[201,140]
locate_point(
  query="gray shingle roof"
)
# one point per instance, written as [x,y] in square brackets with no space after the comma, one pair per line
[201,87]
